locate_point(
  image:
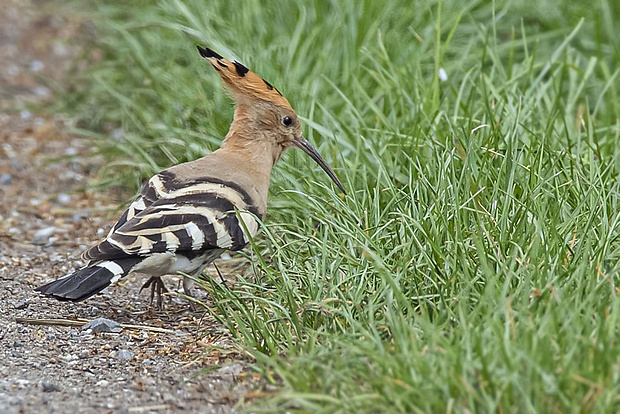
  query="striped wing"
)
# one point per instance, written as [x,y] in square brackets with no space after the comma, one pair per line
[147,196]
[191,216]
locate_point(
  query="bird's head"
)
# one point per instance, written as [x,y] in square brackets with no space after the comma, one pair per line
[262,114]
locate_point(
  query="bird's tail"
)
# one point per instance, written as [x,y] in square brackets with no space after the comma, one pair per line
[89,280]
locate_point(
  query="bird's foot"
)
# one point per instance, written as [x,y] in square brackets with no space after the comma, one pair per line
[158,289]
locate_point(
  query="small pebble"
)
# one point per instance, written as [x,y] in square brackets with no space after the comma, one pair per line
[124,354]
[21,383]
[6,178]
[49,386]
[103,325]
[22,305]
[91,312]
[64,198]
[42,236]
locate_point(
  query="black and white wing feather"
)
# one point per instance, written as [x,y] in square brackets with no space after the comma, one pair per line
[147,196]
[171,216]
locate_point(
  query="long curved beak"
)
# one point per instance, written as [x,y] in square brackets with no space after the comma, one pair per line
[303,144]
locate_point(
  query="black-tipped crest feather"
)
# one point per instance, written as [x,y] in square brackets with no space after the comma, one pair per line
[242,80]
[241,70]
[206,53]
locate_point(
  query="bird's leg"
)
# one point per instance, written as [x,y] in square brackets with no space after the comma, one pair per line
[157,289]
[160,290]
[147,284]
[188,284]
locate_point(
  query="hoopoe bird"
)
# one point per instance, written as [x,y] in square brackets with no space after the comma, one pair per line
[188,215]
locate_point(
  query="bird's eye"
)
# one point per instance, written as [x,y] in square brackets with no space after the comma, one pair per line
[287,121]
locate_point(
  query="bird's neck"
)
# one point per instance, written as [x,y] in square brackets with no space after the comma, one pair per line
[260,155]
[248,138]
[252,158]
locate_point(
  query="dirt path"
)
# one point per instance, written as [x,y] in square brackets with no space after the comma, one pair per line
[47,218]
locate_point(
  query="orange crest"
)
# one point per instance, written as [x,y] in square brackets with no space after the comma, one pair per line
[242,82]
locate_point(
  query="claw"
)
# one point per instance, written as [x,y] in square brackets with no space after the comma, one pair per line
[158,289]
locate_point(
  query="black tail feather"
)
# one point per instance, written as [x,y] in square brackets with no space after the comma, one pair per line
[88,281]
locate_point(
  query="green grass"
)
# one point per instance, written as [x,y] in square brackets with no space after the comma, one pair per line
[473,267]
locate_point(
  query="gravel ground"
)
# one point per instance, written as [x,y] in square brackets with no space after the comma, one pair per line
[47,218]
